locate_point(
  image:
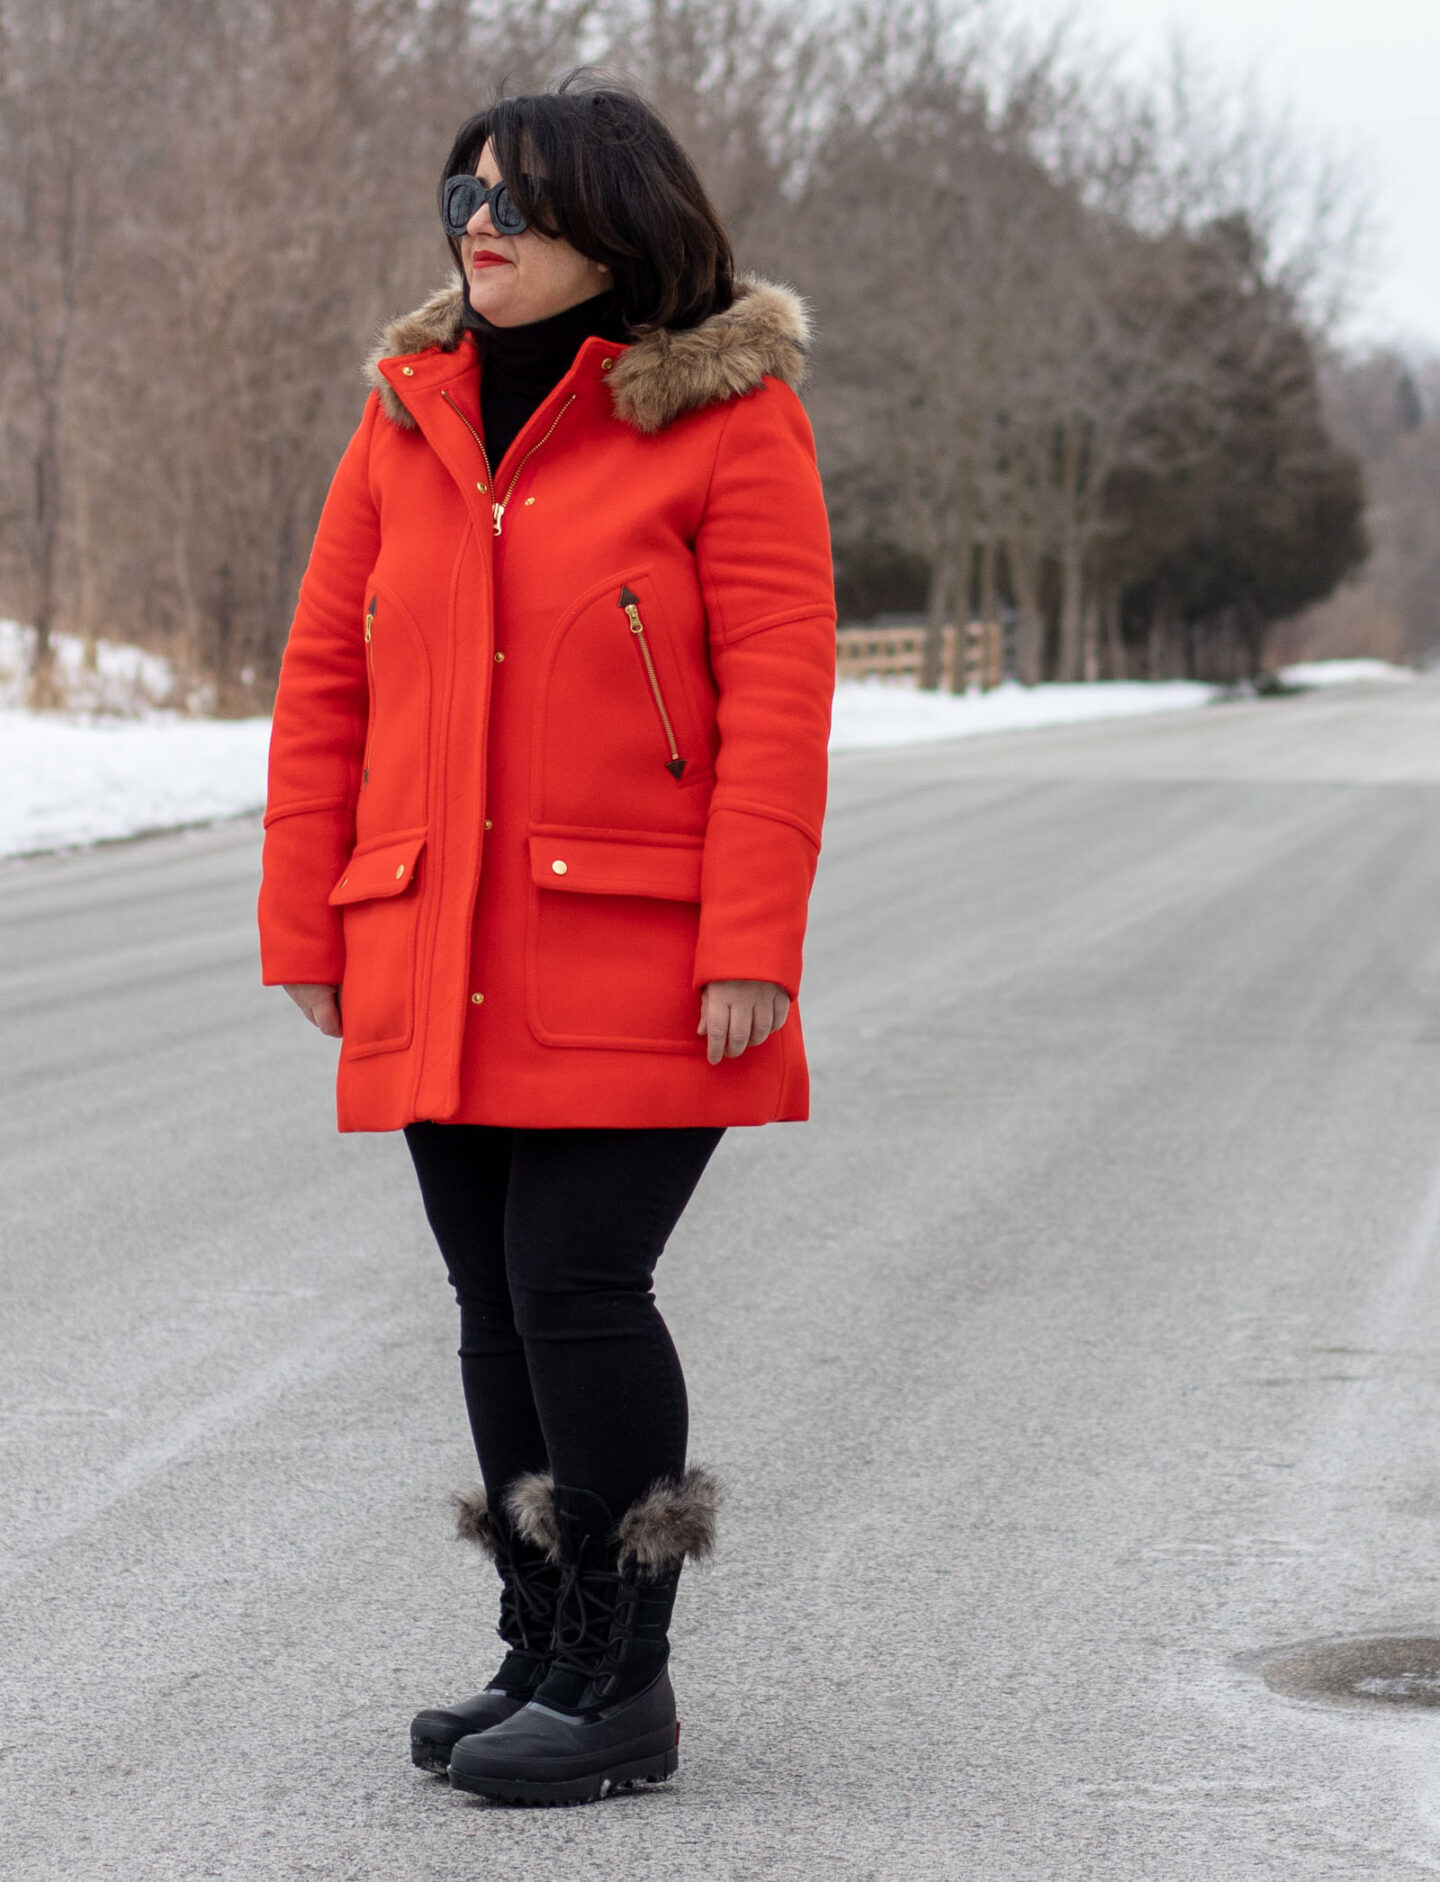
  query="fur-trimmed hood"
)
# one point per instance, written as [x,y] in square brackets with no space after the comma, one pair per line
[765,331]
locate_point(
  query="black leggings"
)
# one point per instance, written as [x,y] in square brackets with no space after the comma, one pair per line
[551,1239]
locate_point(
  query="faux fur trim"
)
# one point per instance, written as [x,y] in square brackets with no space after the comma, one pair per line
[437,322]
[670,1522]
[765,331]
[530,1501]
[473,1521]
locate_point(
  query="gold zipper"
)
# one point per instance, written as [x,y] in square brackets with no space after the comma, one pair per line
[370,677]
[497,510]
[630,602]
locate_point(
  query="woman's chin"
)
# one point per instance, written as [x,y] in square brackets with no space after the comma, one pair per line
[490,299]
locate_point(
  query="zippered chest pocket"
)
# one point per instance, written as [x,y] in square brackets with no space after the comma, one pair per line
[675,760]
[625,728]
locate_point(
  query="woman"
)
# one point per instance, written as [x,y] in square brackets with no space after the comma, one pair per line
[546,784]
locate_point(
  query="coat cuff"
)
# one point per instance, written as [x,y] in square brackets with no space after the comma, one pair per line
[302,939]
[754,893]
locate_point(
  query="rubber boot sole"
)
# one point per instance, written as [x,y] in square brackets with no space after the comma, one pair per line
[426,1756]
[652,1767]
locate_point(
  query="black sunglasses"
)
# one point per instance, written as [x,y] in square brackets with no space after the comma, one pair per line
[464,195]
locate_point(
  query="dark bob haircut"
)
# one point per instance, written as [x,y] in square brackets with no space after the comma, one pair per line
[614,182]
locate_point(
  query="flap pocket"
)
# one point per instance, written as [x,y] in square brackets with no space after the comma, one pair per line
[376,869]
[629,862]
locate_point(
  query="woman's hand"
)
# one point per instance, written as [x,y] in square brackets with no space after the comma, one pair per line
[320,1005]
[739,1013]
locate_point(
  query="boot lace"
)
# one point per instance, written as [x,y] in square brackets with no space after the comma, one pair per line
[592,1616]
[527,1604]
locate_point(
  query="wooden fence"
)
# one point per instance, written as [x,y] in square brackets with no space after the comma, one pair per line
[900,652]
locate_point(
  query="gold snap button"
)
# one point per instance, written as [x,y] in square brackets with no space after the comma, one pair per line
[409,371]
[606,364]
[499,656]
[477,999]
[399,872]
[488,824]
[482,488]
[528,502]
[559,867]
[343,881]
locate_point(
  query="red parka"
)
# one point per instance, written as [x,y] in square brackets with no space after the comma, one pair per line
[549,745]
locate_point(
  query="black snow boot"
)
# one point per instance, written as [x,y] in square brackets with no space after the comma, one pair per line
[604,1716]
[529,1584]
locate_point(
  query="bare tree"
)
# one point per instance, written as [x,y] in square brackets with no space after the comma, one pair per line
[1030,342]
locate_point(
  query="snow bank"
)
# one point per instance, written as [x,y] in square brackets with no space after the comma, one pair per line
[1341,672]
[66,780]
[123,679]
[892,712]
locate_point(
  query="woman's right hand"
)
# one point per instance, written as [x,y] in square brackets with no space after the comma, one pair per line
[320,1005]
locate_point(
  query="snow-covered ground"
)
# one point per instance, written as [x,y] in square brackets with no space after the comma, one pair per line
[121,759]
[67,780]
[85,776]
[117,679]
[892,712]
[1341,672]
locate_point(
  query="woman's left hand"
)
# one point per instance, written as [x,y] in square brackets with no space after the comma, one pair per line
[740,1013]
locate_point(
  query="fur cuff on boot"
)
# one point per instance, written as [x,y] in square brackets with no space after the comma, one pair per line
[530,1501]
[670,1522]
[473,1521]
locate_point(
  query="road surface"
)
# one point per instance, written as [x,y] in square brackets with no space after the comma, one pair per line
[1082,1350]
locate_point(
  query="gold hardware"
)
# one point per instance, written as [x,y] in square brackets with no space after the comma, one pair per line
[399,872]
[477,999]
[606,364]
[488,824]
[498,509]
[499,655]
[528,502]
[369,623]
[559,867]
[637,628]
[343,881]
[409,371]
[482,488]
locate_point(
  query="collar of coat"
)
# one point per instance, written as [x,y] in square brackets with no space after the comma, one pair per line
[658,378]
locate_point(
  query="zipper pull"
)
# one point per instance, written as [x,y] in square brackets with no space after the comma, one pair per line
[630,602]
[499,512]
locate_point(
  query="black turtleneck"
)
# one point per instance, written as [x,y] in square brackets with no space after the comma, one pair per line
[523,365]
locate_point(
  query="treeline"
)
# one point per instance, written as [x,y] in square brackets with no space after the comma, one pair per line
[1386,409]
[1068,358]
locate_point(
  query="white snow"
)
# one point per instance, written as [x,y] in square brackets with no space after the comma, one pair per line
[121,679]
[84,776]
[67,779]
[120,759]
[1341,672]
[875,712]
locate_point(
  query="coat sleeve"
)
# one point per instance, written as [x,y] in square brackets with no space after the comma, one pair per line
[317,739]
[763,555]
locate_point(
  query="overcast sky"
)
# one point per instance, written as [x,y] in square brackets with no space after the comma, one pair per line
[1366,72]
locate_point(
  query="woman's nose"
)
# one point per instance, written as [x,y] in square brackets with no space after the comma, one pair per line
[480,223]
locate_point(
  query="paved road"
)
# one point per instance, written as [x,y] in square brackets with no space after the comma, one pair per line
[1084,1347]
